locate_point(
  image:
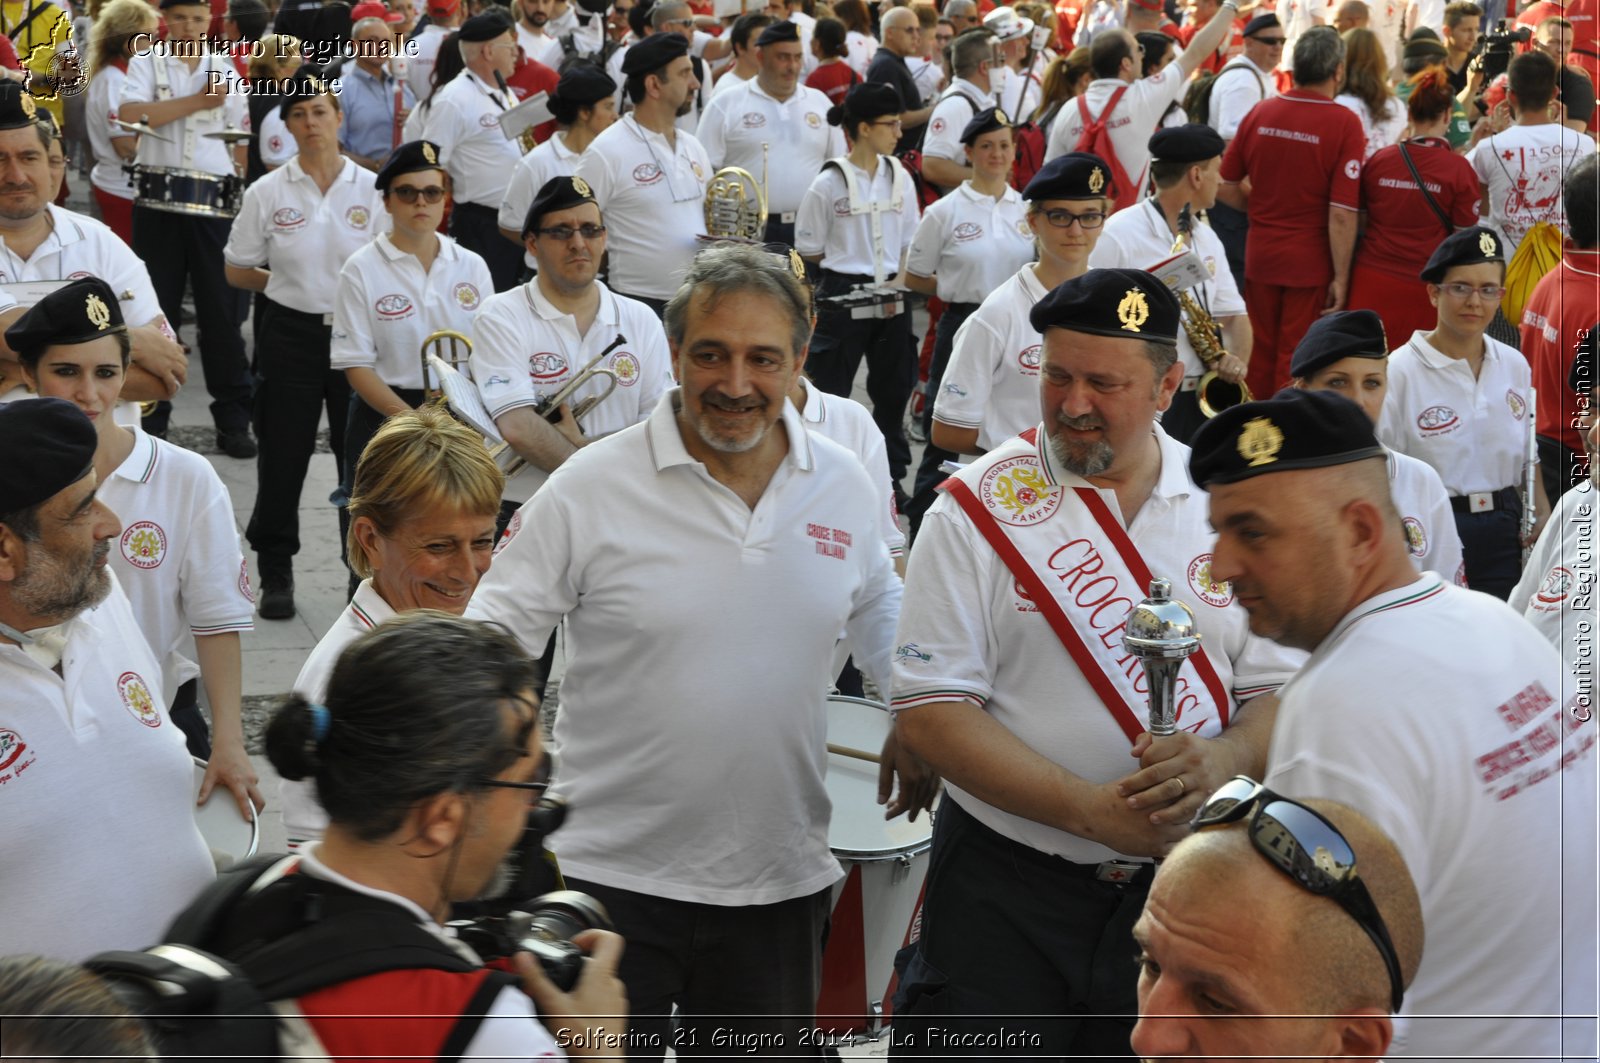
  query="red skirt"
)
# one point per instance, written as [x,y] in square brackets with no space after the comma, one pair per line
[1402,302]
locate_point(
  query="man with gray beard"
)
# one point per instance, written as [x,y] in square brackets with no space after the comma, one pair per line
[1009,660]
[98,786]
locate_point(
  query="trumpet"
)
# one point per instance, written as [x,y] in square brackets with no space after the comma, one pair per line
[736,205]
[1212,394]
[550,408]
[448,346]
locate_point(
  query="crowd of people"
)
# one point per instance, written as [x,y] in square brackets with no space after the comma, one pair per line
[583,292]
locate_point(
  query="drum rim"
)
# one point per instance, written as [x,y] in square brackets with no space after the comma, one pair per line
[255,815]
[878,856]
[182,172]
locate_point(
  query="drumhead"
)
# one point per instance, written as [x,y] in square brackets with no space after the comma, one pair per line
[220,823]
[858,831]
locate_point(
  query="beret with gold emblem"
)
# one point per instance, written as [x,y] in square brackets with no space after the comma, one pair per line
[558,193]
[78,312]
[985,121]
[1292,430]
[59,442]
[17,106]
[414,156]
[1127,303]
[1464,247]
[1346,334]
[1075,175]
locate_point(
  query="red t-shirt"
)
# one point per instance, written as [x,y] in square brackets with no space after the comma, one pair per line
[1214,61]
[532,76]
[1302,152]
[834,79]
[1402,231]
[1563,307]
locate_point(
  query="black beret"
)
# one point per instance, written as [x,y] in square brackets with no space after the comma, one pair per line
[414,156]
[78,312]
[583,84]
[1581,377]
[865,101]
[1347,334]
[1295,430]
[1261,22]
[1464,247]
[985,121]
[1126,303]
[1423,48]
[17,105]
[1187,143]
[653,53]
[487,26]
[558,193]
[306,84]
[1075,175]
[59,442]
[778,33]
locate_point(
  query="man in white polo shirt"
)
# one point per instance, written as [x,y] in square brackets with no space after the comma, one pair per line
[98,787]
[706,620]
[774,128]
[649,176]
[943,155]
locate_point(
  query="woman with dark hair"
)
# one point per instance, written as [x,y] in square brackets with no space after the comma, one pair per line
[1065,77]
[426,753]
[1366,90]
[1404,222]
[1157,53]
[833,76]
[446,69]
[859,42]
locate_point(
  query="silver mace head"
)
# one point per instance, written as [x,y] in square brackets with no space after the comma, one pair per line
[1161,633]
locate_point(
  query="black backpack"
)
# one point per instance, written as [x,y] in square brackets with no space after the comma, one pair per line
[1197,101]
[258,935]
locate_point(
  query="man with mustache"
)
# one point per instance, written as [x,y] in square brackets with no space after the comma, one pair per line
[705,562]
[1010,661]
[99,788]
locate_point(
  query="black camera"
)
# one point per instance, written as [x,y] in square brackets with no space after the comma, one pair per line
[1498,47]
[546,930]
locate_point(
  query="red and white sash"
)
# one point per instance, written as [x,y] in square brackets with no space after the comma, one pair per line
[1069,554]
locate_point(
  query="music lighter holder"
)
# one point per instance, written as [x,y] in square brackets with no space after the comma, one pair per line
[1160,632]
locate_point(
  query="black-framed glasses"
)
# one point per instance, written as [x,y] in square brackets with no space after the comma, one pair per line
[409,194]
[563,233]
[1270,42]
[535,786]
[1306,847]
[1063,219]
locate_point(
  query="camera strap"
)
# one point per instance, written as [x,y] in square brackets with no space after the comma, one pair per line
[1433,204]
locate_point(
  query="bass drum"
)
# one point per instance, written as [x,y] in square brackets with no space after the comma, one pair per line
[230,836]
[188,191]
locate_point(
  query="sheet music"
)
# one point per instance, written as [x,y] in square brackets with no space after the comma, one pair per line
[461,395]
[535,110]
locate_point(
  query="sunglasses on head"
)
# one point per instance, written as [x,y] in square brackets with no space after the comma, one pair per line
[1306,847]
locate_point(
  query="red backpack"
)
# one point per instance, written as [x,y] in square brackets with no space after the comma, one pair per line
[1096,139]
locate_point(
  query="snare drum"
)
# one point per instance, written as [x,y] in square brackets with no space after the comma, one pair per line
[230,837]
[187,191]
[886,862]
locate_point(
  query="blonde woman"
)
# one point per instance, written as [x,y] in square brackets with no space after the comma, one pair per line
[122,27]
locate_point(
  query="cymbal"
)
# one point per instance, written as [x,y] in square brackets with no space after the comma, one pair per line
[142,128]
[232,136]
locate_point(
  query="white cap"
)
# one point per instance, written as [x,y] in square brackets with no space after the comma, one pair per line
[1006,24]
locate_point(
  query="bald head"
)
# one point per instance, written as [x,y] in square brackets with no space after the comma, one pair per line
[900,18]
[1350,15]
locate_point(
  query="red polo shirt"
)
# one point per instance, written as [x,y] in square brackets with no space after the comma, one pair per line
[1564,305]
[1402,232]
[1214,61]
[1302,152]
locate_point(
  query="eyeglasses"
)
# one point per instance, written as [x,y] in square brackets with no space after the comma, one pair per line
[1487,292]
[535,786]
[1063,219]
[889,123]
[1270,42]
[409,193]
[1310,850]
[563,233]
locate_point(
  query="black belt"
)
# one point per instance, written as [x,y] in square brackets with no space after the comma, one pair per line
[1486,501]
[320,320]
[470,207]
[970,308]
[1118,872]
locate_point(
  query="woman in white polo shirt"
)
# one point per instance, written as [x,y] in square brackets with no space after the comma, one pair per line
[1460,401]
[177,556]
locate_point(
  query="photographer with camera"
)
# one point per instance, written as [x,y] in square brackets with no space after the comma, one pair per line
[426,796]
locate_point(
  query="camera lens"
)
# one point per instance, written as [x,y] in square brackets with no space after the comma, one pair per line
[562,915]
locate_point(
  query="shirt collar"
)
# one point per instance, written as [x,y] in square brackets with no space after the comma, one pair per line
[368,605]
[1419,590]
[347,171]
[1433,358]
[816,410]
[1011,195]
[1173,482]
[547,311]
[666,442]
[448,249]
[756,90]
[140,464]
[310,865]
[382,77]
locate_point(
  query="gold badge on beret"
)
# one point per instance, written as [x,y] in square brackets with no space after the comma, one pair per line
[428,153]
[797,265]
[580,186]
[1486,244]
[1000,116]
[99,313]
[1097,180]
[1260,442]
[29,108]
[1134,310]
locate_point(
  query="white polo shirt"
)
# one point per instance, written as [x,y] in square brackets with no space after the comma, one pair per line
[795,131]
[303,236]
[178,555]
[1454,747]
[653,196]
[1235,92]
[824,225]
[1557,591]
[540,47]
[850,424]
[105,93]
[387,305]
[726,83]
[551,159]
[1425,513]
[79,246]
[183,143]
[99,795]
[1138,238]
[956,107]
[419,68]
[1130,126]
[693,584]
[1018,95]
[972,242]
[464,120]
[1472,431]
[277,145]
[686,123]
[992,381]
[981,641]
[524,349]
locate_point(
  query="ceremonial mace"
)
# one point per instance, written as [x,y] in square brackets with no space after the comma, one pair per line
[1160,632]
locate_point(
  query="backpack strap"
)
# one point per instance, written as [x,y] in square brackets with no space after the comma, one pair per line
[1433,204]
[473,1014]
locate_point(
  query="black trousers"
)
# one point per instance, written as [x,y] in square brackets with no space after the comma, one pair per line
[779,231]
[1232,228]
[179,249]
[837,347]
[1183,418]
[1560,467]
[293,386]
[477,228]
[744,978]
[1491,547]
[657,306]
[929,477]
[1021,953]
[362,424]
[185,713]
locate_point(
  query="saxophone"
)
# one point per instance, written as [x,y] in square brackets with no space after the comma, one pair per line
[1213,394]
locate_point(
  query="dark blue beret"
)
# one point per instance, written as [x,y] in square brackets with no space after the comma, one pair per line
[865,101]
[306,84]
[584,84]
[778,33]
[1464,247]
[58,442]
[1187,143]
[414,156]
[653,53]
[1347,334]
[17,106]
[1293,430]
[1268,21]
[78,312]
[1075,175]
[1125,303]
[985,121]
[558,193]
[487,26]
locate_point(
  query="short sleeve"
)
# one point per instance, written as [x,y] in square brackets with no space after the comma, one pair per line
[499,360]
[968,379]
[710,132]
[1234,164]
[519,195]
[943,140]
[211,582]
[944,621]
[352,345]
[1344,189]
[814,219]
[140,85]
[247,239]
[927,243]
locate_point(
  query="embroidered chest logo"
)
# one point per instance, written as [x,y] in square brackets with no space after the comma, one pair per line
[12,760]
[1437,420]
[488,121]
[841,208]
[626,366]
[466,296]
[546,366]
[967,230]
[393,306]
[647,173]
[1211,591]
[357,217]
[1517,404]
[1134,310]
[1416,536]
[813,119]
[1028,360]
[753,120]
[287,219]
[1016,492]
[830,542]
[137,700]
[144,544]
[1023,230]
[1555,587]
